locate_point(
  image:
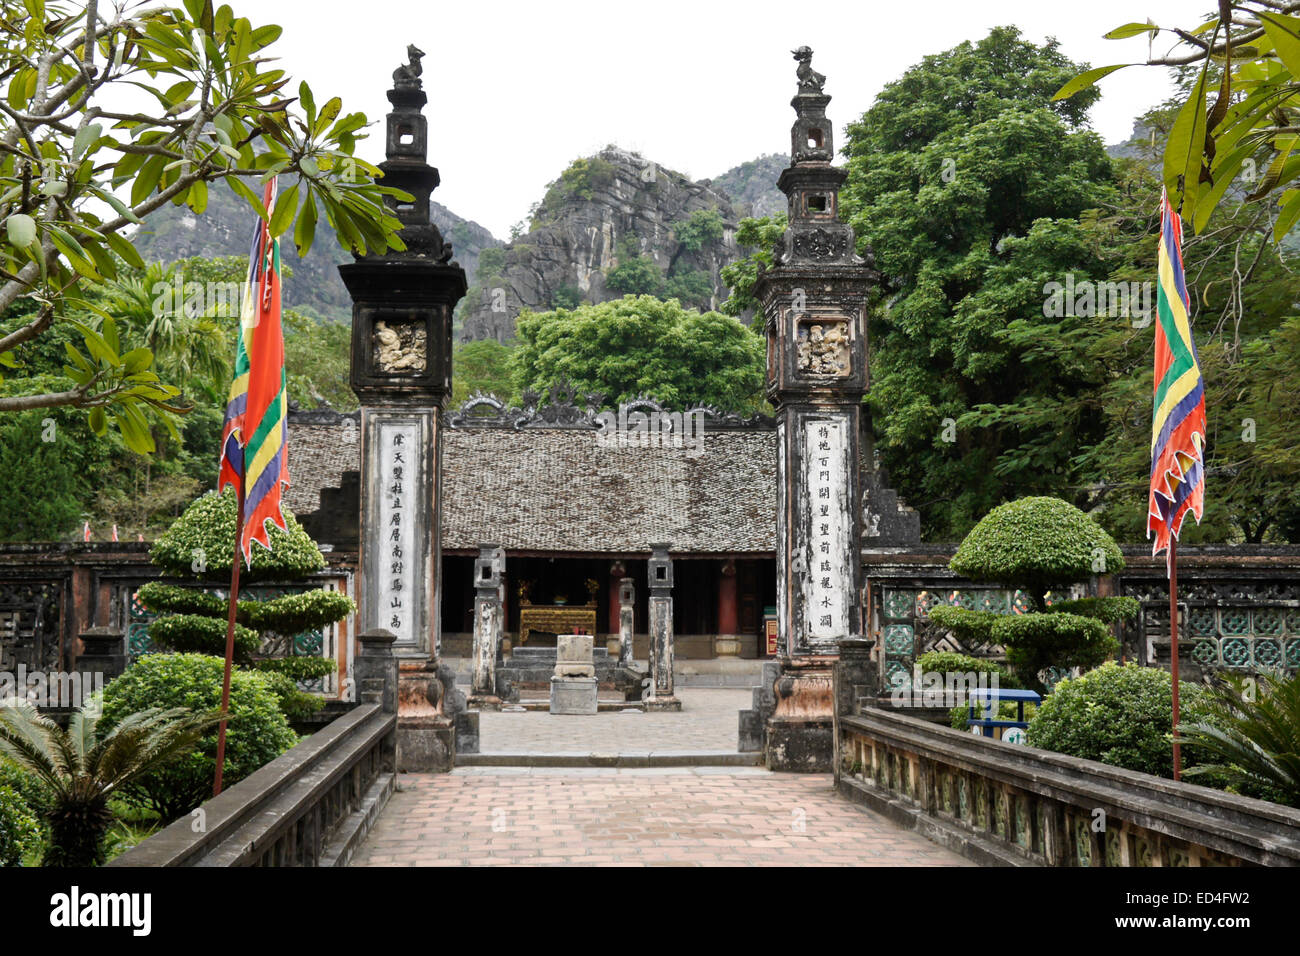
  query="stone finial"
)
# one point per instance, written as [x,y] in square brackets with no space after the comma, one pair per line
[407,76]
[810,81]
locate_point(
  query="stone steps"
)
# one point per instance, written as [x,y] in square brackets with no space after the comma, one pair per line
[660,758]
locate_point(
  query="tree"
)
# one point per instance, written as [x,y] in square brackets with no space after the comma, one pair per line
[1239,109]
[76,172]
[635,274]
[82,767]
[480,367]
[640,345]
[762,235]
[966,181]
[1040,545]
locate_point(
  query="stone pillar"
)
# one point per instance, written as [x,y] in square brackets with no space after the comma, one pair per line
[616,572]
[660,695]
[856,678]
[814,301]
[375,669]
[626,620]
[727,642]
[488,569]
[573,684]
[402,303]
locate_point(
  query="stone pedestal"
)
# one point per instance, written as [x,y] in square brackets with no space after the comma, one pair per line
[800,733]
[573,685]
[103,651]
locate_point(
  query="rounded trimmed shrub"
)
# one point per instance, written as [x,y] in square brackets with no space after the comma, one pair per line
[1036,543]
[1120,715]
[20,830]
[257,731]
[202,635]
[200,544]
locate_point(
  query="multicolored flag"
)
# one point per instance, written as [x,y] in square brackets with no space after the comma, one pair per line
[1178,422]
[254,454]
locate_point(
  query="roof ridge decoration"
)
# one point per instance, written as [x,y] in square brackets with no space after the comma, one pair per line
[561,410]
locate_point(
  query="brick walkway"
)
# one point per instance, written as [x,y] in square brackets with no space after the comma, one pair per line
[709,720]
[700,817]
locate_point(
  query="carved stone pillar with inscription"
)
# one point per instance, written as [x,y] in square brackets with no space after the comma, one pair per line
[402,305]
[488,569]
[662,656]
[814,301]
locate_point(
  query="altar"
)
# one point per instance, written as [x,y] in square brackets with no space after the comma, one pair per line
[559,617]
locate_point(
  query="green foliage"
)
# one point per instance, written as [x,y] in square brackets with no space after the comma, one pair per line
[970,626]
[491,263]
[202,635]
[1111,610]
[81,768]
[692,287]
[287,614]
[566,297]
[298,668]
[705,227]
[1036,543]
[635,274]
[1252,735]
[257,731]
[1120,715]
[73,187]
[639,345]
[42,474]
[967,182]
[950,662]
[200,544]
[293,703]
[20,830]
[1035,642]
[482,366]
[579,182]
[762,236]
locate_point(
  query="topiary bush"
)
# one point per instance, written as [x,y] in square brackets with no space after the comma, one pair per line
[200,545]
[20,828]
[202,635]
[1120,715]
[257,730]
[1039,545]
[1036,544]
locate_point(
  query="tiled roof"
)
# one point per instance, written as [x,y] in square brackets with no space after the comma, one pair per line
[558,489]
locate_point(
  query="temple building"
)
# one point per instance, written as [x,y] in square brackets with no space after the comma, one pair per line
[576,508]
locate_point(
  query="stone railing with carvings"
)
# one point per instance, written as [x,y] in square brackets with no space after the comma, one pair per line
[1005,804]
[311,806]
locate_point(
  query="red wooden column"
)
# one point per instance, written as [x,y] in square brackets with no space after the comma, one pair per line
[617,570]
[727,641]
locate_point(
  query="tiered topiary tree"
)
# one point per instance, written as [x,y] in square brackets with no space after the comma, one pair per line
[199,545]
[1040,546]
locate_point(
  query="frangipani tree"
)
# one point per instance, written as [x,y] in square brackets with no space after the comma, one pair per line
[1040,545]
[80,169]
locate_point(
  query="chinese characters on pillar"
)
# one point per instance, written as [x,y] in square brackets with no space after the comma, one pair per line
[826,584]
[399,481]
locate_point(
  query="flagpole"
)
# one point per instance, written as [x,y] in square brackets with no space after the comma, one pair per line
[230,638]
[1173,646]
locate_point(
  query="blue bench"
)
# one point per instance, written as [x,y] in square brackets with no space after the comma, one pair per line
[990,698]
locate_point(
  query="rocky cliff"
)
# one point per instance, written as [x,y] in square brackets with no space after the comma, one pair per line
[752,185]
[224,228]
[611,224]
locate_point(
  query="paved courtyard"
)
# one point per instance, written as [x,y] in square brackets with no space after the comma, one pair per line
[606,817]
[708,722]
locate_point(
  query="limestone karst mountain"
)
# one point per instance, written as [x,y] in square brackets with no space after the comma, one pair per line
[174,232]
[752,185]
[611,224]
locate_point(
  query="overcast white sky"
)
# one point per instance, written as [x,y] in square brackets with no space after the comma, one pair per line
[517,90]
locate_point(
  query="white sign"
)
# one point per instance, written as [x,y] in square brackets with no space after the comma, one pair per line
[826,482]
[396,561]
[1014,735]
